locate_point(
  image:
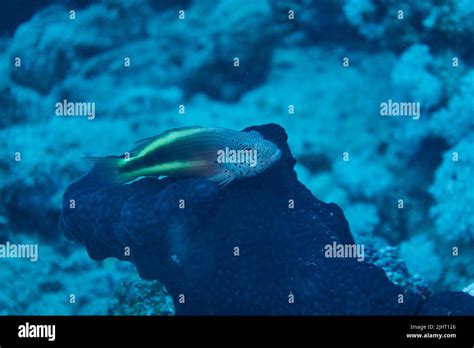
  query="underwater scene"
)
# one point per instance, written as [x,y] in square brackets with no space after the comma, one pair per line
[234,157]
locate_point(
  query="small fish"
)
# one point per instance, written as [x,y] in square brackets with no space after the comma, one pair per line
[216,154]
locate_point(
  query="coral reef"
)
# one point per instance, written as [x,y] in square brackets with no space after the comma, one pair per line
[139,62]
[63,281]
[414,81]
[358,14]
[452,189]
[191,250]
[30,192]
[444,24]
[377,19]
[388,258]
[355,173]
[207,263]
[420,256]
[139,297]
[452,21]
[363,219]
[455,122]
[450,303]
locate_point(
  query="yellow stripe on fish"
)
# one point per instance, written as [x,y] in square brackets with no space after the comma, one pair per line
[169,138]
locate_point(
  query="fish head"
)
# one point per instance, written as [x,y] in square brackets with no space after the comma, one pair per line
[268,154]
[251,155]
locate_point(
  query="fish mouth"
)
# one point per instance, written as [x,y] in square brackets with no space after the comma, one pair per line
[276,156]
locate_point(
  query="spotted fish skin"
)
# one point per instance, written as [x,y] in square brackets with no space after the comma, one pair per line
[217,154]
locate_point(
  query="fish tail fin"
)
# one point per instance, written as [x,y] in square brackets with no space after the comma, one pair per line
[106,170]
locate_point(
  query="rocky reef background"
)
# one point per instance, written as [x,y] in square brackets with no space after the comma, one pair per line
[290,72]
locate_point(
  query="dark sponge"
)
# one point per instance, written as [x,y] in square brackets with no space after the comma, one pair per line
[239,250]
[449,303]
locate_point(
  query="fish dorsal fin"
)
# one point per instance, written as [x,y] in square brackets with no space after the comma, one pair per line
[140,145]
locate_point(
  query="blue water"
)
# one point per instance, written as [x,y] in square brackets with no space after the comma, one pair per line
[375,96]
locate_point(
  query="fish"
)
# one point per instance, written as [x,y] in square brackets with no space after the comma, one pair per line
[216,154]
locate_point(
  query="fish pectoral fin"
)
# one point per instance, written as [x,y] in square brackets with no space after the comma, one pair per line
[223,178]
[225,182]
